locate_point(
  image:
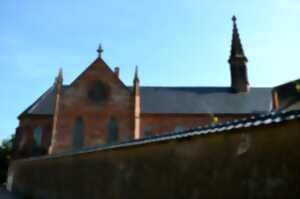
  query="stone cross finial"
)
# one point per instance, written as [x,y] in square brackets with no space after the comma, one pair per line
[233,18]
[100,51]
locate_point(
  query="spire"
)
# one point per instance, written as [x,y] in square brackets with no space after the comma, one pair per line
[59,78]
[100,51]
[136,77]
[238,62]
[237,51]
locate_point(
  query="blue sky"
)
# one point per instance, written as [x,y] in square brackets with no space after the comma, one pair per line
[174,42]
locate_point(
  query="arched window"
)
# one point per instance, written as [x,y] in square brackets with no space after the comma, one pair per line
[37,136]
[78,134]
[113,130]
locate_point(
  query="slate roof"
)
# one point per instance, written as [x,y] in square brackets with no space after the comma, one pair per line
[204,100]
[44,105]
[182,100]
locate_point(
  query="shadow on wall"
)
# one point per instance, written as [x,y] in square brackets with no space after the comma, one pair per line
[239,163]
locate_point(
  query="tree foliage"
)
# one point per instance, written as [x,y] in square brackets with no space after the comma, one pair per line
[6,150]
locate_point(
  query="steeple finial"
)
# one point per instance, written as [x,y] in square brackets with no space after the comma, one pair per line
[233,18]
[100,50]
[60,73]
[237,51]
[59,78]
[136,76]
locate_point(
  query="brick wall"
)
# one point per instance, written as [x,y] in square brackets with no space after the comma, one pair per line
[155,124]
[23,146]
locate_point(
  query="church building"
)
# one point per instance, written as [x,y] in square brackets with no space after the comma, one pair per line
[97,108]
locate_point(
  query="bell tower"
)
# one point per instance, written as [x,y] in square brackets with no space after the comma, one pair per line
[238,63]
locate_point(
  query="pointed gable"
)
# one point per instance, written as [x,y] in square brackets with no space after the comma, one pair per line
[99,70]
[98,83]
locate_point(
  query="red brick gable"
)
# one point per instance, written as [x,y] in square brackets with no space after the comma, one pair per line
[99,69]
[98,98]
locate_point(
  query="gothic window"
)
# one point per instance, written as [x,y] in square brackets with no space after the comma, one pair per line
[112,127]
[37,136]
[179,128]
[78,134]
[147,130]
[98,92]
